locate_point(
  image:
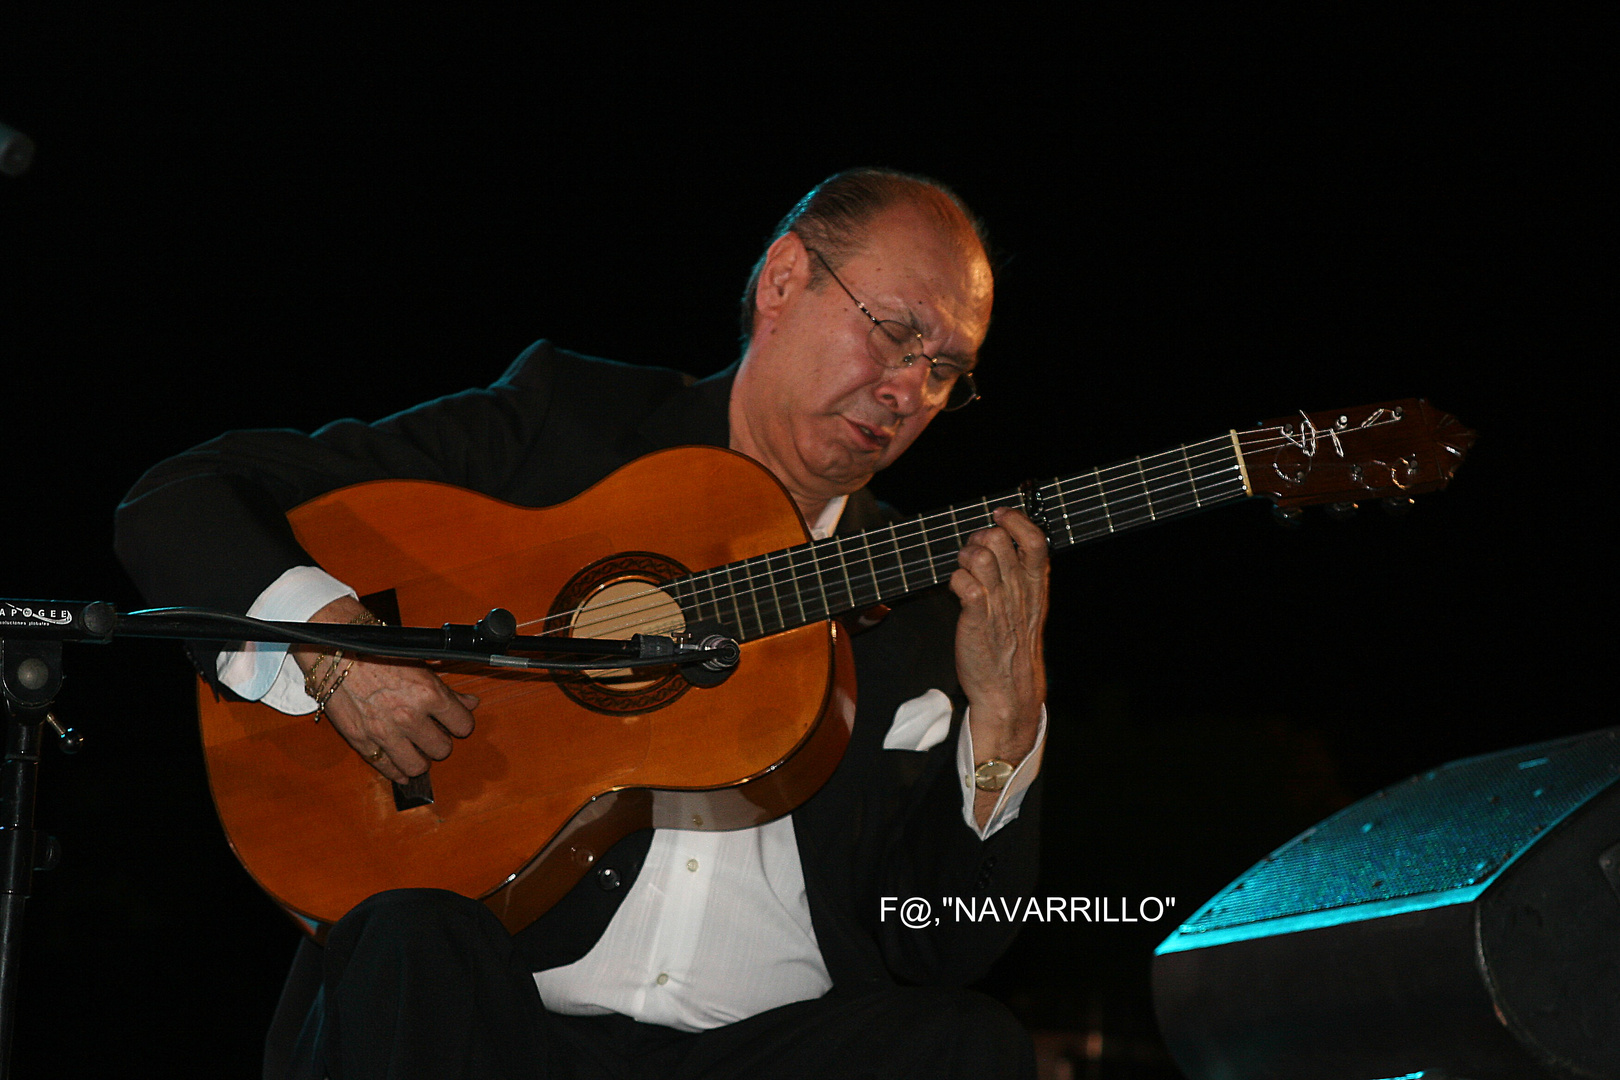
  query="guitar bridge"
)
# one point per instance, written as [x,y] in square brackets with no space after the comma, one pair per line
[414,792]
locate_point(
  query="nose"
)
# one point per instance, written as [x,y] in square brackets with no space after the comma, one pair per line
[904,390]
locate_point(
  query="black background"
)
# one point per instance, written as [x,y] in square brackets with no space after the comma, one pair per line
[245,216]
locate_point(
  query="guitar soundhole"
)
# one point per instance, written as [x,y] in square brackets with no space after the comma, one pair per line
[616,597]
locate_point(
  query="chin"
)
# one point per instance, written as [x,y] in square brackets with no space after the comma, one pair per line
[842,474]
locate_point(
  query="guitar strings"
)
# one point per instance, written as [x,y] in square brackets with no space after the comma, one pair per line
[934,526]
[1127,505]
[929,528]
[1130,507]
[923,533]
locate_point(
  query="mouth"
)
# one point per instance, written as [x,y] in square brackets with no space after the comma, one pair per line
[869,438]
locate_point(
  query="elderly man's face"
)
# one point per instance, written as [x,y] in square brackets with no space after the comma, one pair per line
[810,402]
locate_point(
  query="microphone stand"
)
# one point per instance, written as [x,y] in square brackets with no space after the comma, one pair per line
[32,633]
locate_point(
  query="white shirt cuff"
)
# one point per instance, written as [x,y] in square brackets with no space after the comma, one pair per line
[922,724]
[260,670]
[1012,796]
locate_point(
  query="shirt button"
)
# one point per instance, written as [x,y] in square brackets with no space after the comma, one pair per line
[607,879]
[691,864]
[663,978]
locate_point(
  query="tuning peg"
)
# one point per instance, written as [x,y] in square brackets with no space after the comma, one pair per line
[1341,510]
[1397,507]
[1290,517]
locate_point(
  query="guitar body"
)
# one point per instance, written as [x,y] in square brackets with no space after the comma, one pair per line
[562,766]
[559,767]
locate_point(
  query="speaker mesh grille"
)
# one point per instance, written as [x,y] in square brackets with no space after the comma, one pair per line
[1441,830]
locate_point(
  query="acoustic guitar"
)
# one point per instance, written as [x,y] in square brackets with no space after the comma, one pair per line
[563,765]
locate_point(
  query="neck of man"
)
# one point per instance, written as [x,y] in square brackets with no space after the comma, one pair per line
[810,506]
[741,421]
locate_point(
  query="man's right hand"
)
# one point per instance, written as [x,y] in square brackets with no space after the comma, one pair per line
[396,714]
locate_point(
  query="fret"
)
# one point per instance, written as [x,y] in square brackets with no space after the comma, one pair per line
[724,580]
[1147,494]
[1222,487]
[814,551]
[711,601]
[959,534]
[1127,509]
[1164,480]
[1091,511]
[1192,480]
[1060,506]
[926,534]
[709,606]
[772,590]
[871,568]
[1102,496]
[763,590]
[813,563]
[925,537]
[837,552]
[685,596]
[800,616]
[752,606]
[872,580]
[899,557]
[778,593]
[942,552]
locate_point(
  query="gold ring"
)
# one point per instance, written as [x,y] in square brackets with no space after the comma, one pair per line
[376,755]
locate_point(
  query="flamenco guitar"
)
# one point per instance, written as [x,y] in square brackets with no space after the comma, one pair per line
[562,766]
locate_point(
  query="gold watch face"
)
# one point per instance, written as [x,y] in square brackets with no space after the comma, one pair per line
[992,775]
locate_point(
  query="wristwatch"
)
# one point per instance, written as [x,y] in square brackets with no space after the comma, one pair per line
[992,775]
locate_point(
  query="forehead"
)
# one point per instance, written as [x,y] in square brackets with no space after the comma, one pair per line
[934,272]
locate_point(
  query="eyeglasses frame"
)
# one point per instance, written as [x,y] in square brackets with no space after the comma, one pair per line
[907,360]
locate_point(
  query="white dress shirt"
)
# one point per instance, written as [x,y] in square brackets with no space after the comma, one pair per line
[716,927]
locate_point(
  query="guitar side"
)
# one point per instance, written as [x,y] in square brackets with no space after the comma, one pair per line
[545,783]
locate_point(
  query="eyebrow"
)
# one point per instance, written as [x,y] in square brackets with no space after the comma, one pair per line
[963,361]
[966,363]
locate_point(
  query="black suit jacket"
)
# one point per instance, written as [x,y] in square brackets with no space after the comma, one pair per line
[208,528]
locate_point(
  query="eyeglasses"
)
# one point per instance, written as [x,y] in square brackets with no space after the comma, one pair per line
[895,345]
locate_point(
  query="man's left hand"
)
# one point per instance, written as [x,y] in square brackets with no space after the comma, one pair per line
[1000,654]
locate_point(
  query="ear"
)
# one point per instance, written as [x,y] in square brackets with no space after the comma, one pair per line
[786,272]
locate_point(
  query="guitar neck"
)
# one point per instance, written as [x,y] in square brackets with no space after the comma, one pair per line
[825,578]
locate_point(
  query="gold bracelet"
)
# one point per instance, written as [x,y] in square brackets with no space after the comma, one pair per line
[326,695]
[312,685]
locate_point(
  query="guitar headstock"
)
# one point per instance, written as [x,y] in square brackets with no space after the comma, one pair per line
[1392,450]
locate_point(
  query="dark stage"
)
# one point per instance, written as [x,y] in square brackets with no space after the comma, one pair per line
[1202,220]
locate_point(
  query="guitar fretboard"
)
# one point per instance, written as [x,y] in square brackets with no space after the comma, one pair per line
[780,590]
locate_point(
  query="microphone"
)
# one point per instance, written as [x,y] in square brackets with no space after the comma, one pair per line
[716,668]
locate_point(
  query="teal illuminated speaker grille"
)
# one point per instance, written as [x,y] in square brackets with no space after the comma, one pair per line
[1461,923]
[1438,838]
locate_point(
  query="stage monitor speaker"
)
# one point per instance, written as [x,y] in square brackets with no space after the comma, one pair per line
[1464,923]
